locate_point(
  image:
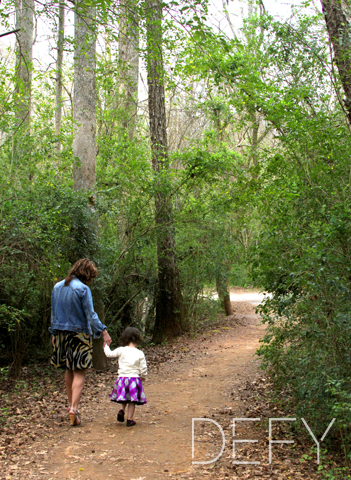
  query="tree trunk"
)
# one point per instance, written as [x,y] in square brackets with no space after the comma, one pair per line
[84,116]
[100,361]
[128,44]
[337,18]
[84,98]
[24,56]
[59,62]
[169,300]
[222,285]
[222,282]
[255,127]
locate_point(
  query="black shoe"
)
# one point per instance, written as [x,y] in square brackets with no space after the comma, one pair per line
[120,416]
[130,423]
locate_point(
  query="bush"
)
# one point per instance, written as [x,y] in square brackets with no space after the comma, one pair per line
[43,231]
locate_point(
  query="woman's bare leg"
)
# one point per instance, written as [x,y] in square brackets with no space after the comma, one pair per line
[68,382]
[77,387]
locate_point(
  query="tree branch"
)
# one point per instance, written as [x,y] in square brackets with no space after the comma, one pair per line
[9,33]
[127,303]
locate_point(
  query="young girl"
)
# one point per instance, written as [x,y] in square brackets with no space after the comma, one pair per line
[131,372]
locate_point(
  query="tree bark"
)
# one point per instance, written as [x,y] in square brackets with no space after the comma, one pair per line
[222,286]
[59,63]
[100,361]
[337,18]
[24,57]
[169,300]
[84,116]
[84,98]
[222,282]
[128,44]
[255,128]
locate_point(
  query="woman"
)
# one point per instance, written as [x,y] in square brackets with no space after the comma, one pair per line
[73,322]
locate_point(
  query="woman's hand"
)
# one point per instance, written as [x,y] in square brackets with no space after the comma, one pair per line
[106,338]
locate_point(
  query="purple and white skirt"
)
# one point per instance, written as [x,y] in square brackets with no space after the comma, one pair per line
[128,389]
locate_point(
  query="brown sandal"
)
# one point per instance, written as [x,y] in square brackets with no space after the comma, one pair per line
[74,417]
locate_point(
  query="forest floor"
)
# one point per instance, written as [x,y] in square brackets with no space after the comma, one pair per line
[213,375]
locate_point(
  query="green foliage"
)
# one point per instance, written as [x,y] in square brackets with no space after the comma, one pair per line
[42,231]
[295,185]
[264,189]
[302,254]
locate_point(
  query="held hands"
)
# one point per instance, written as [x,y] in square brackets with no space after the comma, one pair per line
[106,338]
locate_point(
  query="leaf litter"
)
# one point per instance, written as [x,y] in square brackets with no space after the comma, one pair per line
[34,415]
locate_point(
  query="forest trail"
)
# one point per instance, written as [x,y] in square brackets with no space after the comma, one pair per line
[160,445]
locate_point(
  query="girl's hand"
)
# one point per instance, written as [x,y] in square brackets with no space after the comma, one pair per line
[142,379]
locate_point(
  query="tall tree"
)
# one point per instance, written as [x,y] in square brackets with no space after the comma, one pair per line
[337,14]
[24,56]
[84,116]
[59,63]
[84,97]
[224,264]
[128,43]
[169,301]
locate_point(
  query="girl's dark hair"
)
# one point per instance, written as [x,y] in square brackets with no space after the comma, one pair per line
[131,335]
[83,269]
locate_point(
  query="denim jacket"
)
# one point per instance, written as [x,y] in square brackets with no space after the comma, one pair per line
[72,309]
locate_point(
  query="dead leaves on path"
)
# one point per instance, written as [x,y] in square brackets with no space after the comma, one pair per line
[34,408]
[252,400]
[34,415]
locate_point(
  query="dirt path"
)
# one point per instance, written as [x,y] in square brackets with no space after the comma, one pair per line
[214,375]
[160,445]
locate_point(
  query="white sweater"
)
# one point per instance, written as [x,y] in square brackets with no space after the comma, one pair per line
[131,361]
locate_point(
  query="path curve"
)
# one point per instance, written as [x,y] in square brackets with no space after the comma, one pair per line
[160,445]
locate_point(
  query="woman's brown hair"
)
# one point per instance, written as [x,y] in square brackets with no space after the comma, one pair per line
[83,269]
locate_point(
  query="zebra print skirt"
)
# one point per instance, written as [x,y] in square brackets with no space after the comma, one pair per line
[73,351]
